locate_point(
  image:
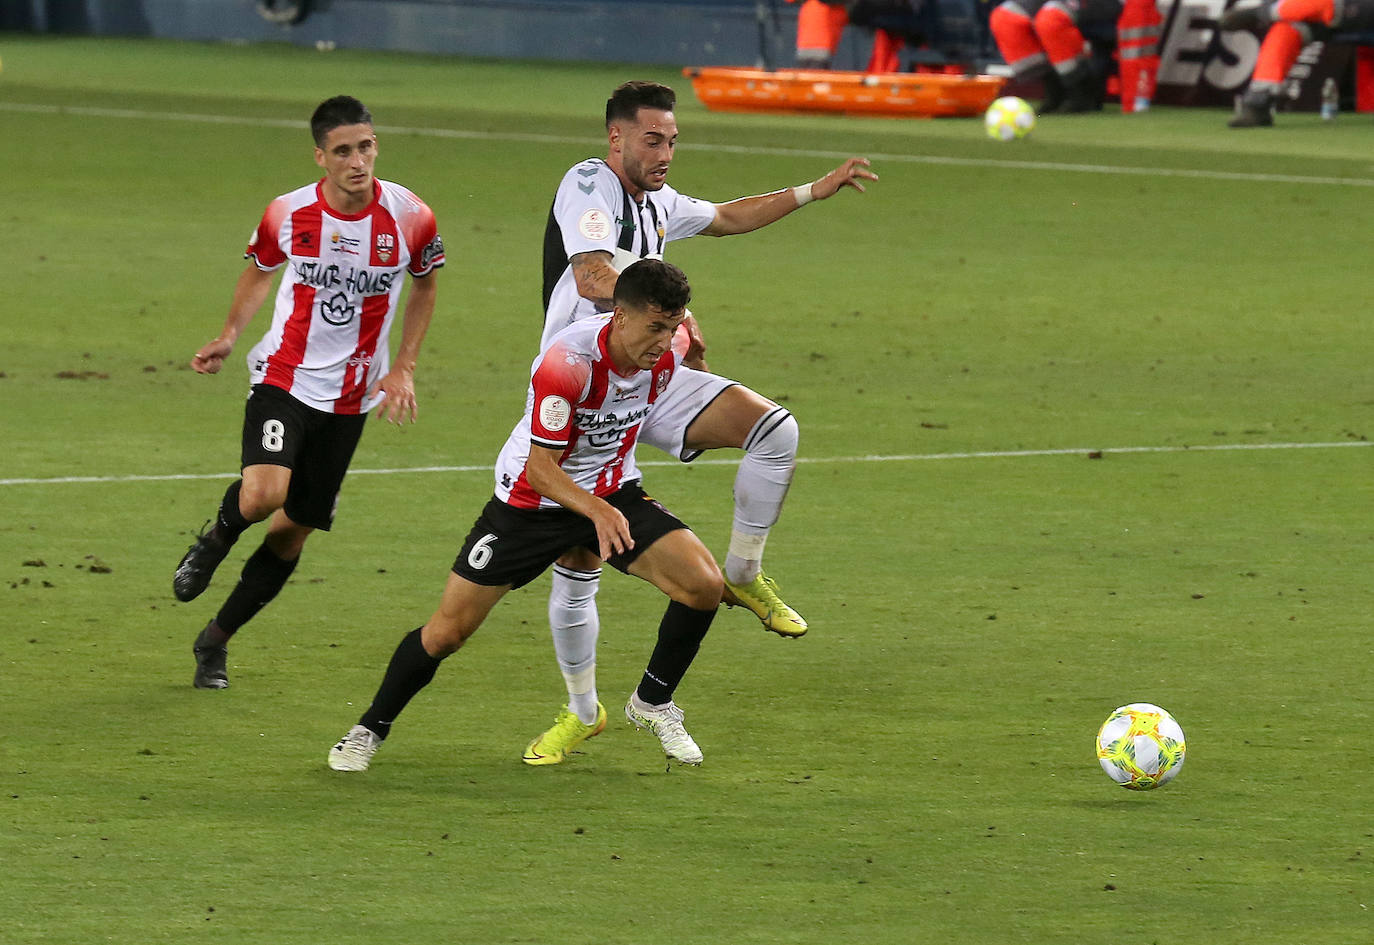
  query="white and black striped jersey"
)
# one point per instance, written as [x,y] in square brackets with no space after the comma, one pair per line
[592,211]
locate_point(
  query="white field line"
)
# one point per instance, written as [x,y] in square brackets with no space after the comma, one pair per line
[732,460]
[594,143]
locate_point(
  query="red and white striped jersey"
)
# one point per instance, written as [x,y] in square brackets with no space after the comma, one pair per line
[577,403]
[339,294]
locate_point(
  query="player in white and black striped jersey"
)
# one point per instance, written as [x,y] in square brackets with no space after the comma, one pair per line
[607,214]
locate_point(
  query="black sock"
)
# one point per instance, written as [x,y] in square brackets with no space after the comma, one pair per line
[264,574]
[409,671]
[212,636]
[229,521]
[679,637]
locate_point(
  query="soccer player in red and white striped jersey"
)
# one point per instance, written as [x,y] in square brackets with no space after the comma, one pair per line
[345,244]
[566,478]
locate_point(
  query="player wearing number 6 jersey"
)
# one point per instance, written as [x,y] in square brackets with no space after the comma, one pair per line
[346,244]
[566,478]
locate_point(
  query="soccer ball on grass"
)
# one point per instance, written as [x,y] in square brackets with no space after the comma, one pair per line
[1140,746]
[1009,118]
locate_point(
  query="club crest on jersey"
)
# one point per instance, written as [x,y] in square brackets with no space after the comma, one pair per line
[661,382]
[386,245]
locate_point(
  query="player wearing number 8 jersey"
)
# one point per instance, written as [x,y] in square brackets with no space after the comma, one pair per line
[346,244]
[566,478]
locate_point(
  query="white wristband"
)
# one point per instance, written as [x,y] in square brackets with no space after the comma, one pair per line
[803,194]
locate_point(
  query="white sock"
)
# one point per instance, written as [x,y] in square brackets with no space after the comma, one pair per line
[770,457]
[575,623]
[744,559]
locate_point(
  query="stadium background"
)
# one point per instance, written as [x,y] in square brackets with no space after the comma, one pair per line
[1085,421]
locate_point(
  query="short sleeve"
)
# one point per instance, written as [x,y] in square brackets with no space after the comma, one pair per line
[585,209]
[264,246]
[559,383]
[687,216]
[425,235]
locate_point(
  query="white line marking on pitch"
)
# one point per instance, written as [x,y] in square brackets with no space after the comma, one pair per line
[730,461]
[453,133]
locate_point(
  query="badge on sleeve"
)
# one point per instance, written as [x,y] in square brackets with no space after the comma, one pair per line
[594,225]
[554,413]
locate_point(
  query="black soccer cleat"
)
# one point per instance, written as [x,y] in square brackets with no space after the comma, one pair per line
[212,671]
[197,567]
[1253,112]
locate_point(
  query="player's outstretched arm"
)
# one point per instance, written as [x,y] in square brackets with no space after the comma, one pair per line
[547,478]
[399,382]
[749,213]
[249,294]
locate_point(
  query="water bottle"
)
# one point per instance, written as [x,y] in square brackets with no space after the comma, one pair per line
[1330,99]
[1142,92]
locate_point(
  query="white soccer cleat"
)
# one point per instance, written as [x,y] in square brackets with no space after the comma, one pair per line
[355,750]
[665,721]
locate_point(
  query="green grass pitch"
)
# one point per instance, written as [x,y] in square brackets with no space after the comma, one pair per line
[983,587]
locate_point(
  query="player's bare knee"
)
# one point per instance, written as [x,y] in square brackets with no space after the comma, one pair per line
[257,501]
[700,584]
[580,559]
[442,638]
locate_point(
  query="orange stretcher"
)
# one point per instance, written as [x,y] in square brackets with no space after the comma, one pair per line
[893,94]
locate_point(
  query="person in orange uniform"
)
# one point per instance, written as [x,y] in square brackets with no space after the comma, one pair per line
[819,27]
[1289,25]
[1043,39]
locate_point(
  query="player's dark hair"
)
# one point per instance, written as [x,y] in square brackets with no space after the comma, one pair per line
[653,283]
[626,101]
[335,113]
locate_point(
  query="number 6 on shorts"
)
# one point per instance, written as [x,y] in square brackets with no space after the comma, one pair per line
[480,555]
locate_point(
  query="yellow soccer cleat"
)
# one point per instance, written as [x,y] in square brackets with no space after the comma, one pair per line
[761,596]
[568,731]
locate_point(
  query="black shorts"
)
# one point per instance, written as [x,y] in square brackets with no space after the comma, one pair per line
[279,430]
[514,546]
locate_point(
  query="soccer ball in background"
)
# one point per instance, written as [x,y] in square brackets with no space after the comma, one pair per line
[1140,746]
[1009,118]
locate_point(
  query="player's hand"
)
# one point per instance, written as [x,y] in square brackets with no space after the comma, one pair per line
[852,173]
[612,530]
[696,344]
[210,358]
[398,388]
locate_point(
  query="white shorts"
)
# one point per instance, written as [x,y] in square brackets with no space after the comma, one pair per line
[688,394]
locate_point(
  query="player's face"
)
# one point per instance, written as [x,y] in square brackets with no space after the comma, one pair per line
[644,334]
[646,148]
[347,156]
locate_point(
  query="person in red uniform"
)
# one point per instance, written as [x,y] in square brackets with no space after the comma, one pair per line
[345,242]
[567,477]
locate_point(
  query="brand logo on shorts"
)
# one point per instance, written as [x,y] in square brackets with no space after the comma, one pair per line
[594,225]
[554,413]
